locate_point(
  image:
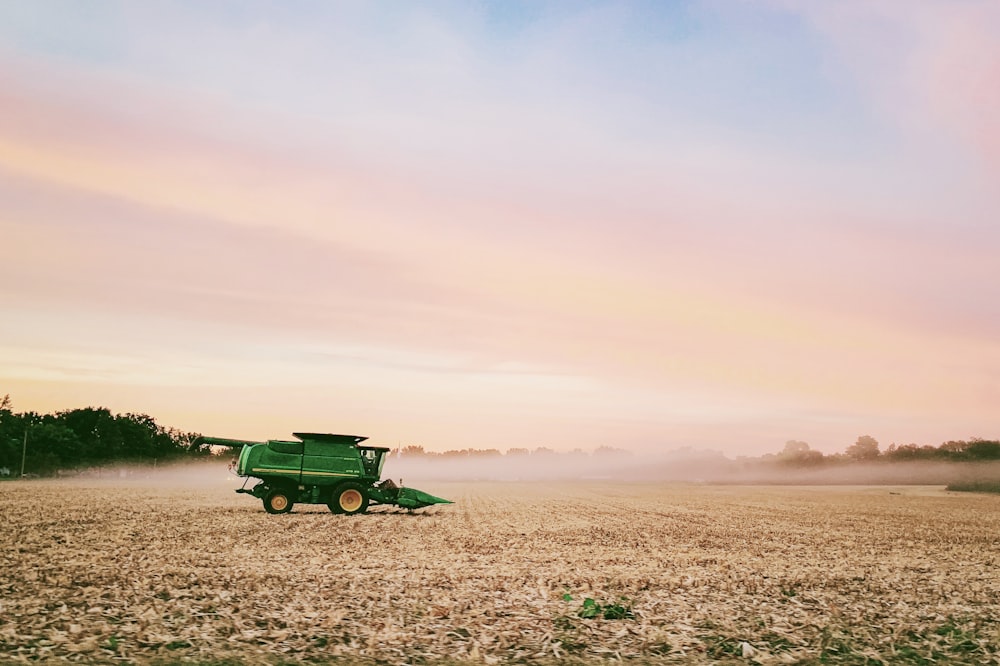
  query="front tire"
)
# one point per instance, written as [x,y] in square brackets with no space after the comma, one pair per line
[277,501]
[349,499]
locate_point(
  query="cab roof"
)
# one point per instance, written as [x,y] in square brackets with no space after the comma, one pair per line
[330,437]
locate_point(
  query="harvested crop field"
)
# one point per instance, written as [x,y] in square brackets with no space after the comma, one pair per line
[100,572]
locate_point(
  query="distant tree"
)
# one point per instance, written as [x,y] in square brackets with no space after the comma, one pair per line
[50,445]
[794,447]
[412,450]
[185,442]
[611,451]
[866,448]
[953,449]
[798,453]
[11,435]
[903,452]
[981,449]
[143,439]
[543,451]
[517,452]
[928,451]
[98,431]
[5,403]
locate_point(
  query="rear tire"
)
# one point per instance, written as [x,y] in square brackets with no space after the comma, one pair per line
[349,499]
[277,501]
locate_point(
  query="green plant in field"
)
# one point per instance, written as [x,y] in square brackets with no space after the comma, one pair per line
[590,609]
[721,647]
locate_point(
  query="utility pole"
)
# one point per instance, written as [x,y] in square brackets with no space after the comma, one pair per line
[24,450]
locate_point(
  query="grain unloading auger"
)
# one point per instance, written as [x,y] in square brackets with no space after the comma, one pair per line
[320,468]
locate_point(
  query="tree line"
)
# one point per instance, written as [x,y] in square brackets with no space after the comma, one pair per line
[795,452]
[866,449]
[92,436]
[42,444]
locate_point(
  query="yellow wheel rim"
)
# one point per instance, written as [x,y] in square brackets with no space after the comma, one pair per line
[279,502]
[350,500]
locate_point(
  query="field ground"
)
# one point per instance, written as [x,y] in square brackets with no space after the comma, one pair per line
[123,571]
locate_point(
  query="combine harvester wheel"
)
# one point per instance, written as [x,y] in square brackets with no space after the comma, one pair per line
[277,501]
[350,499]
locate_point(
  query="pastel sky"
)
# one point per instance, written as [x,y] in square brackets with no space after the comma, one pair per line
[648,225]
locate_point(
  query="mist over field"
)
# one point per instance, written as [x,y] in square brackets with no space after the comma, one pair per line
[207,473]
[684,467]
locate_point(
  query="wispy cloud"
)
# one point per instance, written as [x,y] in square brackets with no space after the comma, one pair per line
[933,67]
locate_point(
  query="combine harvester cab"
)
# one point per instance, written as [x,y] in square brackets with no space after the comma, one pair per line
[320,468]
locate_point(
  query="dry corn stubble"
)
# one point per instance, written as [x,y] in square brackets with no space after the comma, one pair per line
[765,575]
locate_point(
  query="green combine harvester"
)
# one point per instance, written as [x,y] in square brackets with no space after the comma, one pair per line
[320,468]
